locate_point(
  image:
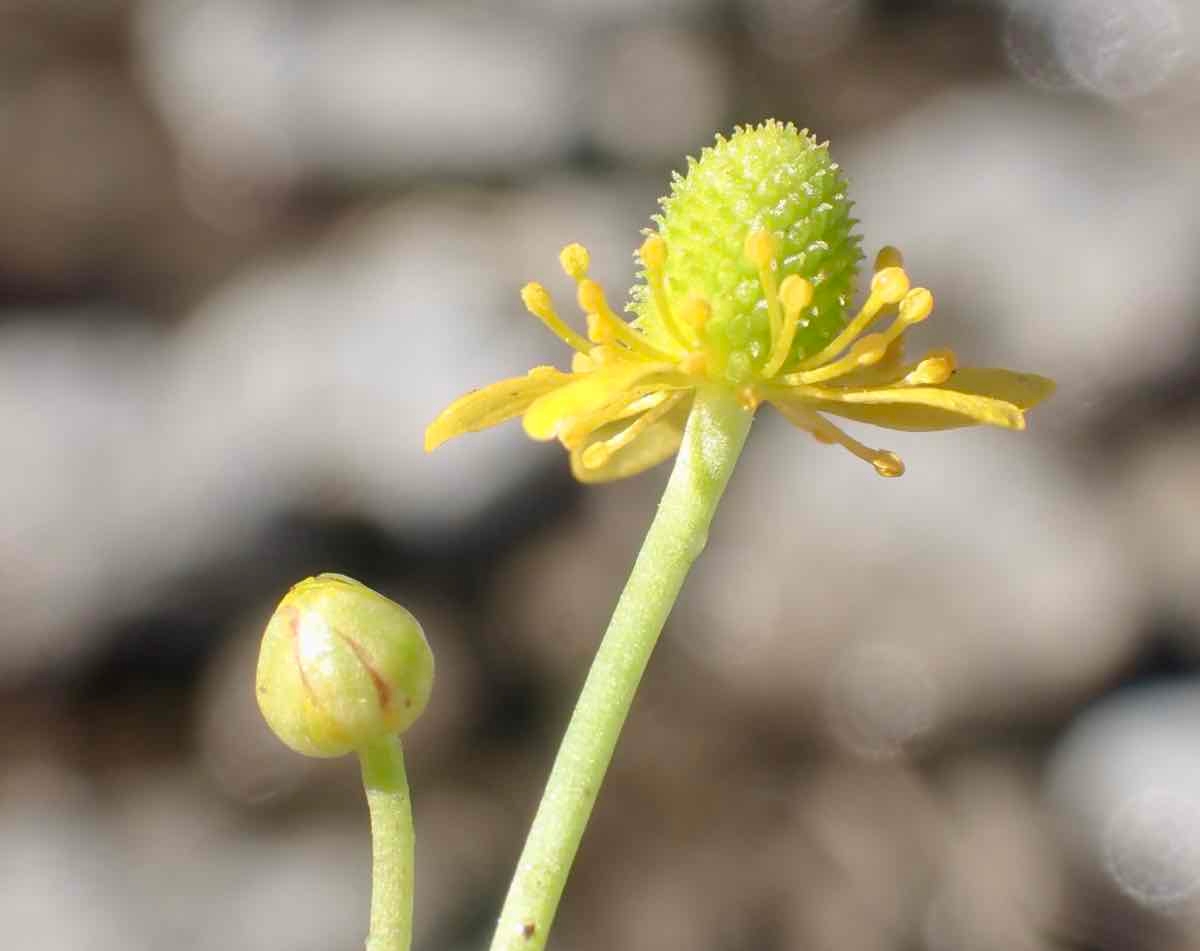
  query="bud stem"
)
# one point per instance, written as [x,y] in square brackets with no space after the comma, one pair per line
[391,845]
[716,432]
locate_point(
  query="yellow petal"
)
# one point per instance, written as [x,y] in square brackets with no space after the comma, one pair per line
[657,444]
[969,398]
[1025,390]
[590,393]
[493,404]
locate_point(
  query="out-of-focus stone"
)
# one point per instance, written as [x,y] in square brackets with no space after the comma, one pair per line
[80,165]
[983,584]
[363,90]
[660,95]
[75,408]
[1158,493]
[588,15]
[63,874]
[308,382]
[798,31]
[1126,783]
[553,599]
[998,883]
[856,859]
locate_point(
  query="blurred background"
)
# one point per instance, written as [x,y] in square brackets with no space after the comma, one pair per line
[249,248]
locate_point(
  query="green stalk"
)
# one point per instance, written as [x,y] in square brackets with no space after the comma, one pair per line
[391,845]
[712,442]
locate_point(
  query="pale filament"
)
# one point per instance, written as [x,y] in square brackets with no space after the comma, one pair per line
[580,429]
[653,253]
[886,463]
[599,453]
[537,301]
[604,326]
[760,249]
[888,286]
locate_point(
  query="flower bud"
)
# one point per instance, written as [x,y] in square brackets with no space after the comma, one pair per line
[341,666]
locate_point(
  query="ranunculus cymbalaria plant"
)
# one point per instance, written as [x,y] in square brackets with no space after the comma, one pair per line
[743,298]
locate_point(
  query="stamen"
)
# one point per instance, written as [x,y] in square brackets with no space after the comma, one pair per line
[760,249]
[934,370]
[795,293]
[599,453]
[891,284]
[575,260]
[577,433]
[653,253]
[604,326]
[865,352]
[537,301]
[887,287]
[885,462]
[888,256]
[916,306]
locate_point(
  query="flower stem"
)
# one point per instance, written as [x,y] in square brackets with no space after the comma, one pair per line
[712,442]
[391,845]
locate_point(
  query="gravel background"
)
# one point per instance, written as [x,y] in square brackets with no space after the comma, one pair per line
[249,248]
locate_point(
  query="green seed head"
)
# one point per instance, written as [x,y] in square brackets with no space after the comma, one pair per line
[341,666]
[769,177]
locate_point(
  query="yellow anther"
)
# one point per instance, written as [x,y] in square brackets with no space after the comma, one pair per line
[888,464]
[591,297]
[869,350]
[888,257]
[795,293]
[653,252]
[934,370]
[916,306]
[890,285]
[887,287]
[695,313]
[760,248]
[600,328]
[575,261]
[695,363]
[537,301]
[654,256]
[864,353]
[582,363]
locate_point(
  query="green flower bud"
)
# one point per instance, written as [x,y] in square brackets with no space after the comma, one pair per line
[340,667]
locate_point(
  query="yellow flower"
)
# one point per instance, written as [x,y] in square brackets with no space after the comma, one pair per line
[745,284]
